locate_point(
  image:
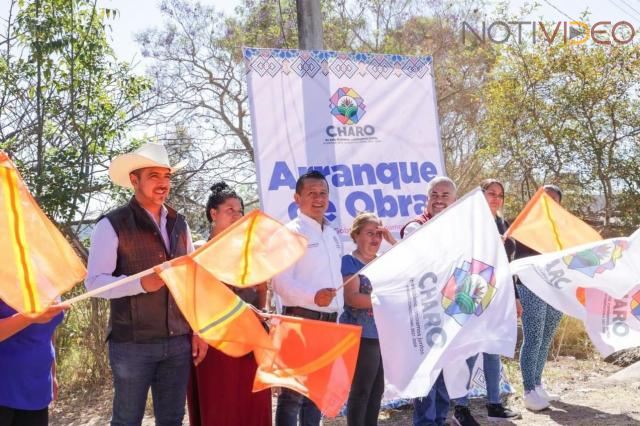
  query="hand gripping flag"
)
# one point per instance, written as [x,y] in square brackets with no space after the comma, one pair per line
[314,358]
[546,226]
[441,295]
[594,282]
[251,251]
[38,264]
[212,310]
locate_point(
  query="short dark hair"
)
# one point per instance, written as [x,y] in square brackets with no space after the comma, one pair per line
[554,188]
[313,174]
[220,192]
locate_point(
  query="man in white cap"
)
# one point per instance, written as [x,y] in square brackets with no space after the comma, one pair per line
[150,343]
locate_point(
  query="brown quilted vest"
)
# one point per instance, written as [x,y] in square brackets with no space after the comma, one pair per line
[145,317]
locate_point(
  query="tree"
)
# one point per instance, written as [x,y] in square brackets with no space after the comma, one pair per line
[568,114]
[199,76]
[460,72]
[65,103]
[201,83]
[199,72]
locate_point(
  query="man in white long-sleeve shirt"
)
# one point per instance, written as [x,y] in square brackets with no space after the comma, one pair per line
[150,343]
[308,288]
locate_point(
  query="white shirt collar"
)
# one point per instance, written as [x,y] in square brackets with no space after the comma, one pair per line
[312,222]
[163,213]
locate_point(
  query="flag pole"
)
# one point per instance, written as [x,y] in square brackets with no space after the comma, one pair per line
[348,281]
[431,222]
[149,271]
[108,287]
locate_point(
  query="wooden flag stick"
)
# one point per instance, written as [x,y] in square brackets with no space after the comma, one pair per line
[348,281]
[108,287]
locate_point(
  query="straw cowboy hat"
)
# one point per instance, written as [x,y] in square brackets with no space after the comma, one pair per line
[148,155]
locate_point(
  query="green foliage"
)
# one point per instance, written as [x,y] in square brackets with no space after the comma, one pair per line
[81,343]
[524,114]
[570,115]
[65,104]
[460,73]
[67,101]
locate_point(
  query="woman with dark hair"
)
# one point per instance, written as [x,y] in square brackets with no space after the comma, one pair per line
[494,194]
[220,389]
[539,323]
[27,365]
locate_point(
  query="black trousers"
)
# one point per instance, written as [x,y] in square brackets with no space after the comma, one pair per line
[15,417]
[367,387]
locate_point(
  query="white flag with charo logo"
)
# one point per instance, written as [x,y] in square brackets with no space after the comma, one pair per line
[558,278]
[598,283]
[442,295]
[612,324]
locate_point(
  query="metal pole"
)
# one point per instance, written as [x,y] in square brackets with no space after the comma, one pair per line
[309,25]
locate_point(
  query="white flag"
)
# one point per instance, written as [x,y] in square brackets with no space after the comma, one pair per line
[613,324]
[560,278]
[598,283]
[470,382]
[443,294]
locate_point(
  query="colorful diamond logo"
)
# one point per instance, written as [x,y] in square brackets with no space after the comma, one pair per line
[347,106]
[598,259]
[469,291]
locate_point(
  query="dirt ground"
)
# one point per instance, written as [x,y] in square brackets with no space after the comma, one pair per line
[586,400]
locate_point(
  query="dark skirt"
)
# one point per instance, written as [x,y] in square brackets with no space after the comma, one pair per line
[220,393]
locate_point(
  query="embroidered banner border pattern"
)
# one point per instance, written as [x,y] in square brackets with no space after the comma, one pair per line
[322,63]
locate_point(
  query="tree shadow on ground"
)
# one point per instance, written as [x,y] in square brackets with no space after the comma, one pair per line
[564,413]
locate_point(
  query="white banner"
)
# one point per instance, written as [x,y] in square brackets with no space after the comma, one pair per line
[442,295]
[368,122]
[598,283]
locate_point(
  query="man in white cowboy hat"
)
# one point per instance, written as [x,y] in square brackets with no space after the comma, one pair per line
[150,343]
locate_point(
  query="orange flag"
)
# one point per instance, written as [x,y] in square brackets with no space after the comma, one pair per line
[314,358]
[38,264]
[546,226]
[251,251]
[213,311]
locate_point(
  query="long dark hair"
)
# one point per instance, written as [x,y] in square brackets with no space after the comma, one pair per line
[485,184]
[220,192]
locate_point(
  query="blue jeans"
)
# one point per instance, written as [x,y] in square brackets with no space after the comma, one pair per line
[432,409]
[290,404]
[491,367]
[164,367]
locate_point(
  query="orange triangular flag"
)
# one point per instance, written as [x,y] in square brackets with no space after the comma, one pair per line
[546,226]
[38,264]
[251,251]
[212,310]
[314,358]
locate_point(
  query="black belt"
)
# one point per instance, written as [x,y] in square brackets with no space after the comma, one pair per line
[297,311]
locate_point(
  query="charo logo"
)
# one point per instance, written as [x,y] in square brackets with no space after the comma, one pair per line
[347,106]
[598,259]
[469,291]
